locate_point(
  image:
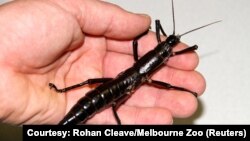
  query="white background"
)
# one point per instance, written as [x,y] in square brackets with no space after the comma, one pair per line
[223,48]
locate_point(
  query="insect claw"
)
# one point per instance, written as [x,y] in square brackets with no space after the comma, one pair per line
[53,86]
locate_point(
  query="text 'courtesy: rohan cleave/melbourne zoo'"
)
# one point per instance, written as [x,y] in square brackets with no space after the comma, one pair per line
[136,132]
[106,132]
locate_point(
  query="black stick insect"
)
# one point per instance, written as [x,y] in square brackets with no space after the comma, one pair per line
[114,91]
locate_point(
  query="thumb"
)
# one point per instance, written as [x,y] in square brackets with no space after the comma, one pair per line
[105,19]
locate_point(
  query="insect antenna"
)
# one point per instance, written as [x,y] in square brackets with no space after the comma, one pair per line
[199,28]
[173,17]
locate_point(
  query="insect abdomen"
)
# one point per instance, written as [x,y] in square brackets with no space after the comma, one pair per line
[84,109]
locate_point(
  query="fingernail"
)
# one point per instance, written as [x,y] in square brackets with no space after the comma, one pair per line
[144,15]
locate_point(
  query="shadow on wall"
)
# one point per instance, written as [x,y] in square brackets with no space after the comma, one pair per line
[10,133]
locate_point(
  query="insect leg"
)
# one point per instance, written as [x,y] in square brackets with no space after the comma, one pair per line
[158,29]
[169,86]
[116,105]
[89,82]
[192,48]
[135,45]
[118,120]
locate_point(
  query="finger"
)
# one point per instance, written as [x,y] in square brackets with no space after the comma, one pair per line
[180,104]
[134,115]
[187,61]
[102,18]
[191,80]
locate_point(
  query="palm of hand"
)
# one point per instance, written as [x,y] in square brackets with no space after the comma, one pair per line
[54,52]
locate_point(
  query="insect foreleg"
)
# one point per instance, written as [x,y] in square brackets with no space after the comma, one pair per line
[158,29]
[192,48]
[135,49]
[135,45]
[87,82]
[169,86]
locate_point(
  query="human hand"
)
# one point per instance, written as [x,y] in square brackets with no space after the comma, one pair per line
[67,42]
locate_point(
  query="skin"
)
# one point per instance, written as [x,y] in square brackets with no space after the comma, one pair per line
[67,42]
